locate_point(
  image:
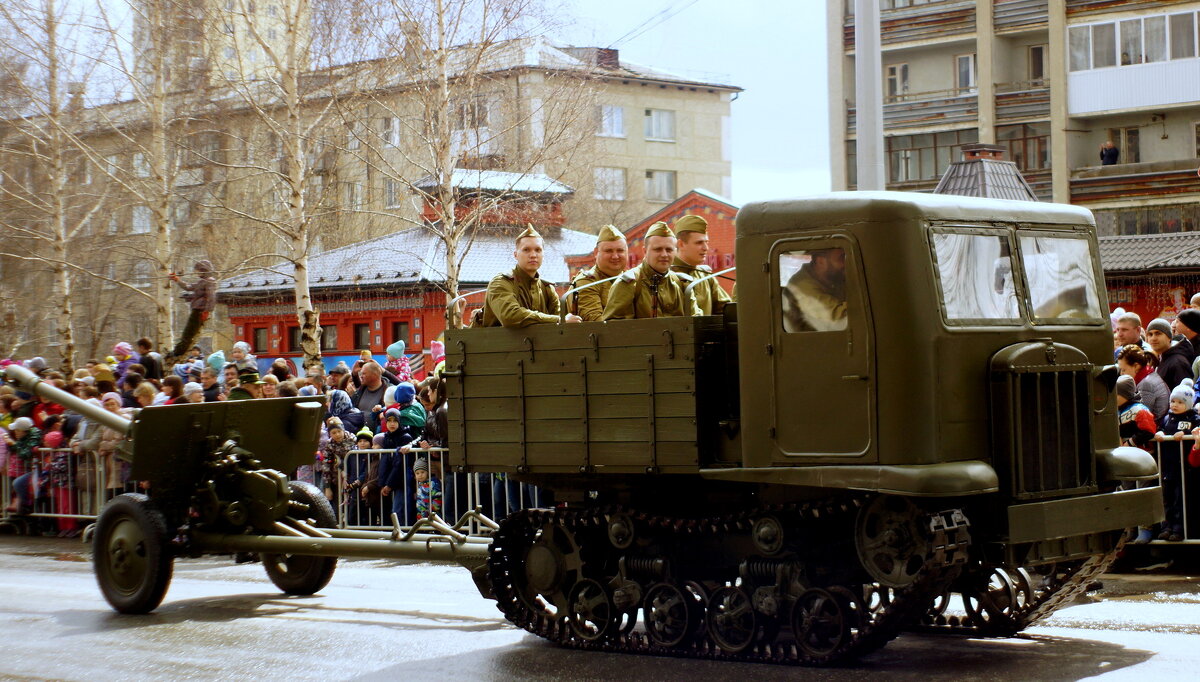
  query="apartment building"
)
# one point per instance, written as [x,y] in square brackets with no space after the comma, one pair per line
[1050,80]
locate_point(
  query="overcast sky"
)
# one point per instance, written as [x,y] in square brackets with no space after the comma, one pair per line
[774,49]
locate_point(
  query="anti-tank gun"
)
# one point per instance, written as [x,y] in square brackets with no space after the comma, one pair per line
[214,484]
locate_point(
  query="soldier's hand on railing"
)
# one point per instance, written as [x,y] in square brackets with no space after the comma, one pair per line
[572,317]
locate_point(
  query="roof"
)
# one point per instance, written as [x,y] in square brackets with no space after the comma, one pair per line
[409,257]
[769,217]
[499,181]
[985,178]
[1140,252]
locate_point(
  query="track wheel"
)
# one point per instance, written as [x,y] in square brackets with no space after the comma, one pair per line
[821,623]
[991,606]
[670,615]
[298,573]
[130,553]
[732,623]
[591,613]
[891,541]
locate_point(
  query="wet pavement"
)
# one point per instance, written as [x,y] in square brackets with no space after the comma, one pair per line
[392,620]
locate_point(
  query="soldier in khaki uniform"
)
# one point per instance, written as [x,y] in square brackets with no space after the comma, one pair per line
[612,258]
[522,298]
[651,289]
[692,231]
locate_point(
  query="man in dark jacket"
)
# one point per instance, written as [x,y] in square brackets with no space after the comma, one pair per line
[1189,327]
[1174,361]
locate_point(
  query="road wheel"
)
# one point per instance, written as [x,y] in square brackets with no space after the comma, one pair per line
[130,554]
[298,573]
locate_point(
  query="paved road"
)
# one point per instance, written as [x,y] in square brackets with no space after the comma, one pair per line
[389,620]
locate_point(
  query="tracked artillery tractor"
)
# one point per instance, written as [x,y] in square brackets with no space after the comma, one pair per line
[907,421]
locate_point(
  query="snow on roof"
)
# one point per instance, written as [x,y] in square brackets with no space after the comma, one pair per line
[499,181]
[411,256]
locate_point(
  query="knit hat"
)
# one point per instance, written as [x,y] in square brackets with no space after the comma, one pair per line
[1190,318]
[217,360]
[111,395]
[80,373]
[437,351]
[22,424]
[420,465]
[1184,392]
[405,392]
[307,391]
[1127,388]
[396,350]
[392,414]
[334,423]
[122,349]
[1160,324]
[192,387]
[242,346]
[364,432]
[36,364]
[389,395]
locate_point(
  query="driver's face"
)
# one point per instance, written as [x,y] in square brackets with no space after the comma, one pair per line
[830,266]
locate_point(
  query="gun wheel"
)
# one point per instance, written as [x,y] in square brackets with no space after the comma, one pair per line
[130,553]
[298,573]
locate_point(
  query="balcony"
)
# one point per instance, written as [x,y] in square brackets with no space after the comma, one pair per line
[1133,180]
[944,18]
[1133,86]
[1079,8]
[936,107]
[1019,15]
[1023,100]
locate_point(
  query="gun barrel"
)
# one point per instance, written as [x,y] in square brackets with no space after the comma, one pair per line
[28,381]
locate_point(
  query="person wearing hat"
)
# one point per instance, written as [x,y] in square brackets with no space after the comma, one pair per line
[692,231]
[1174,359]
[1178,422]
[612,258]
[21,444]
[429,490]
[522,297]
[651,289]
[815,296]
[1189,327]
[249,385]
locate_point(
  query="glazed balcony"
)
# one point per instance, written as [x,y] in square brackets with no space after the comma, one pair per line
[1023,100]
[1079,8]
[902,21]
[1019,15]
[914,109]
[1133,180]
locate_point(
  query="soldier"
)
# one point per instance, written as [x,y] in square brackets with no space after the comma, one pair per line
[815,296]
[522,298]
[249,384]
[612,258]
[693,247]
[651,289]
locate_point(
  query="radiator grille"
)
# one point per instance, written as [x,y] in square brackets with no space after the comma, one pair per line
[1046,433]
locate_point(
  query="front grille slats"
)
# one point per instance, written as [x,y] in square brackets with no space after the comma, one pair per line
[1043,430]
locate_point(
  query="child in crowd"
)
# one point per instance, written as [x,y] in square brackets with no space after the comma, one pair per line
[429,490]
[396,363]
[1137,429]
[332,455]
[22,442]
[1179,421]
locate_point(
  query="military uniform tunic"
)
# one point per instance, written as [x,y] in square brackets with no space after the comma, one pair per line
[589,303]
[642,292]
[710,297]
[518,300]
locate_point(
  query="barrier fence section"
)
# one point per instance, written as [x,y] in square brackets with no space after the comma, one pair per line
[1177,476]
[61,491]
[361,501]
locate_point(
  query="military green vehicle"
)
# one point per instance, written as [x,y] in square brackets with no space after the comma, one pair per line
[912,399]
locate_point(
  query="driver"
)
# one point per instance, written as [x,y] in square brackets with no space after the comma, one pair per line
[815,297]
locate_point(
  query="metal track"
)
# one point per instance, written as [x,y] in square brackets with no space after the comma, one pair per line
[873,627]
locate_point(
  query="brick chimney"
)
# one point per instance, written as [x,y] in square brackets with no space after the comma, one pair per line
[983,172]
[979,150]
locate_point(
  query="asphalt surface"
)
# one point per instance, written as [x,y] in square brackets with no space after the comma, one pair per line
[388,620]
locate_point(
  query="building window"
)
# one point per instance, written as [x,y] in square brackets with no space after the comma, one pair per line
[1037,64]
[660,125]
[142,219]
[1104,46]
[1168,218]
[895,81]
[390,130]
[329,335]
[362,336]
[112,162]
[1028,144]
[272,34]
[612,121]
[140,274]
[353,196]
[1183,35]
[1130,42]
[1080,39]
[926,156]
[1128,143]
[660,185]
[400,332]
[140,167]
[293,336]
[181,211]
[470,113]
[391,193]
[259,340]
[1154,38]
[114,224]
[610,183]
[964,72]
[353,136]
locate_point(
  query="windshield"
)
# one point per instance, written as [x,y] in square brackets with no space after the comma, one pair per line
[976,276]
[1061,279]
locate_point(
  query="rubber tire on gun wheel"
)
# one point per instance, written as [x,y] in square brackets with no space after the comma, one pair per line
[296,573]
[130,553]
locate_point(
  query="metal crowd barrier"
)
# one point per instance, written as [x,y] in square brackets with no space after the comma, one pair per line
[359,504]
[1184,474]
[65,492]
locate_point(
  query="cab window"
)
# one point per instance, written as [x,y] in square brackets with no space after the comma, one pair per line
[812,286]
[975,272]
[1061,279]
